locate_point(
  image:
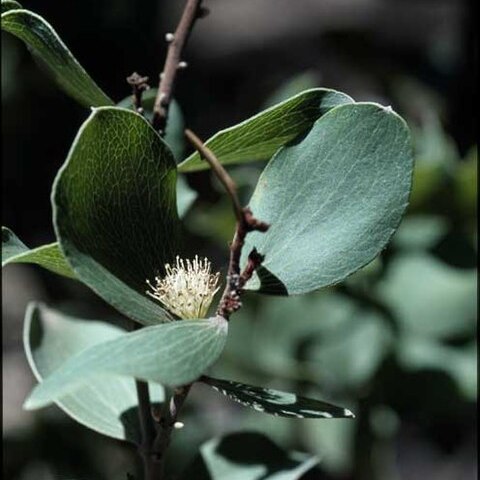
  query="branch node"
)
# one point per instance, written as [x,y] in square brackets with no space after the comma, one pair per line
[169,37]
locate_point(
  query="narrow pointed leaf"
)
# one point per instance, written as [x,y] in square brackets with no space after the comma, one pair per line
[333,200]
[171,354]
[260,136]
[115,212]
[46,45]
[248,456]
[107,405]
[47,256]
[275,402]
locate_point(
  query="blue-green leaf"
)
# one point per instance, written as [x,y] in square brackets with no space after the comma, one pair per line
[172,354]
[333,199]
[108,404]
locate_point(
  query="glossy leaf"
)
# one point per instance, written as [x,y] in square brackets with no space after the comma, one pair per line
[430,298]
[333,200]
[247,456]
[260,136]
[275,402]
[107,405]
[115,209]
[47,256]
[45,44]
[171,354]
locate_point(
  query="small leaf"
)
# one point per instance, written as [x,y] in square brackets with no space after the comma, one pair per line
[171,354]
[275,402]
[107,405]
[114,210]
[333,200]
[247,456]
[259,137]
[44,43]
[47,256]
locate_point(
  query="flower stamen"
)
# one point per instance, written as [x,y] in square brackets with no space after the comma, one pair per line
[188,288]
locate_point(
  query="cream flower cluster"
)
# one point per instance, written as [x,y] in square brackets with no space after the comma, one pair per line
[188,288]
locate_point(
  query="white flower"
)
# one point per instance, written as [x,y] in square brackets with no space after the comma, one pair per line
[188,288]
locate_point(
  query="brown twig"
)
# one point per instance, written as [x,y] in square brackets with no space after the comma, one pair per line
[139,85]
[173,62]
[246,222]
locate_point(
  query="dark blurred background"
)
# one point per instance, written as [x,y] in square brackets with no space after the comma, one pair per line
[407,364]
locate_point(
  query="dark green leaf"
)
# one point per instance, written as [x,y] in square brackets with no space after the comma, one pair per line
[174,133]
[115,212]
[247,456]
[259,137]
[108,404]
[44,42]
[47,256]
[10,5]
[172,354]
[275,402]
[333,200]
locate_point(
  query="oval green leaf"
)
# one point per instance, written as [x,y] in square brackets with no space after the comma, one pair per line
[10,5]
[47,256]
[45,44]
[171,354]
[259,137]
[107,405]
[333,200]
[275,402]
[115,212]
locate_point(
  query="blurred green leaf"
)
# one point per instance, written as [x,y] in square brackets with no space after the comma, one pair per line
[174,133]
[275,402]
[107,405]
[293,86]
[435,158]
[319,339]
[247,456]
[171,354]
[47,256]
[466,181]
[333,200]
[115,209]
[420,232]
[44,43]
[259,137]
[185,196]
[428,297]
[419,353]
[333,442]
